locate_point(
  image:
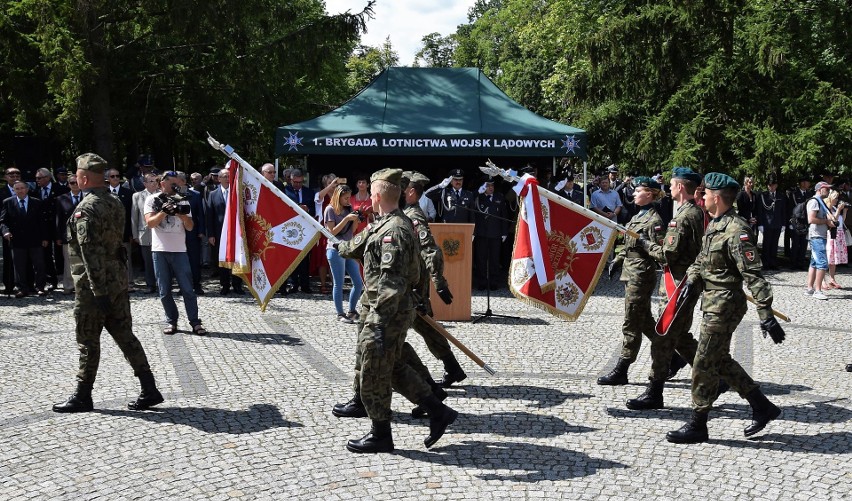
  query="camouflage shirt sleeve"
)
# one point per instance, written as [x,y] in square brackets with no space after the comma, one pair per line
[745,255]
[431,254]
[93,252]
[354,248]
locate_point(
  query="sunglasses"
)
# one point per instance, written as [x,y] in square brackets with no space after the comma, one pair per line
[72,182]
[113,176]
[40,177]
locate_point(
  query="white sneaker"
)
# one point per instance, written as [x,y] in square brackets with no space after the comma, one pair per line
[819,295]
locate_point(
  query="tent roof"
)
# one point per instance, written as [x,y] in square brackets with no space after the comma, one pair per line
[431,111]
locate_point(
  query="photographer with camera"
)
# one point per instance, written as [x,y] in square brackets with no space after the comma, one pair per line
[341,220]
[169,216]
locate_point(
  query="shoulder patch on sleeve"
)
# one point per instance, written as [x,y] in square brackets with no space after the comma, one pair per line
[743,237]
[658,228]
[672,224]
[387,239]
[423,234]
[78,214]
[415,222]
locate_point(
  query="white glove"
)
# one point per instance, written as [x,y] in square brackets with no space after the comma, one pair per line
[560,185]
[472,238]
[791,226]
[760,229]
[503,238]
[446,182]
[482,188]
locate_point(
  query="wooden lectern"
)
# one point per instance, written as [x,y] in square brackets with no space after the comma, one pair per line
[454,239]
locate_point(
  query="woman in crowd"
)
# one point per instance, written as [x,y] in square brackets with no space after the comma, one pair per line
[835,246]
[746,203]
[319,263]
[361,201]
[341,220]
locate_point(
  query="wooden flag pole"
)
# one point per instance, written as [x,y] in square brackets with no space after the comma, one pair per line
[774,311]
[440,328]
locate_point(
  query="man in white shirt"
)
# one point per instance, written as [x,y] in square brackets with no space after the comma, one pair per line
[169,221]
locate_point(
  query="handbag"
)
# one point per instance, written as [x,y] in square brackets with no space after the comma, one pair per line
[848,236]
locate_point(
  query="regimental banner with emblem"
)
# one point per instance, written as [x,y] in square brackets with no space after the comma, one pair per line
[265,234]
[559,252]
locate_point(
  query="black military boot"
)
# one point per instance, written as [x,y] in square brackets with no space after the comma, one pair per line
[677,363]
[420,412]
[440,417]
[651,399]
[353,408]
[150,395]
[762,411]
[379,439]
[79,401]
[453,372]
[617,376]
[693,432]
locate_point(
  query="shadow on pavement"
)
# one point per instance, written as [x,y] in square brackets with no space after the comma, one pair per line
[272,338]
[839,442]
[540,397]
[811,412]
[513,461]
[258,417]
[507,424]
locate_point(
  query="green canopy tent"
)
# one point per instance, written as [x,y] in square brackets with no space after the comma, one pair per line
[431,112]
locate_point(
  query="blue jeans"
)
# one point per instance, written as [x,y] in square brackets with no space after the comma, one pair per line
[339,266]
[175,264]
[819,258]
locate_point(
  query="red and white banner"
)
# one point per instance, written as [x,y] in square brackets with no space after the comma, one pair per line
[559,254]
[265,234]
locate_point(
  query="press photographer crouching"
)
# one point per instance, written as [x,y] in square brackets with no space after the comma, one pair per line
[169,216]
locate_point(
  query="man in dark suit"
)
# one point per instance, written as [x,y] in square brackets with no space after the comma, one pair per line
[456,203]
[216,205]
[798,241]
[65,205]
[12,175]
[124,194]
[304,197]
[47,191]
[772,217]
[197,235]
[491,230]
[569,190]
[23,228]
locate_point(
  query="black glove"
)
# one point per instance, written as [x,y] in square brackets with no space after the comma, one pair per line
[446,295]
[686,294]
[103,303]
[613,267]
[773,328]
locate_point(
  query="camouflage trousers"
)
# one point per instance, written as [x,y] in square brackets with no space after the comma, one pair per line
[118,322]
[713,359]
[380,366]
[435,342]
[678,339]
[638,320]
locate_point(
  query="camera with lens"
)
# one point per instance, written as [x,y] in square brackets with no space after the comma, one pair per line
[171,204]
[361,216]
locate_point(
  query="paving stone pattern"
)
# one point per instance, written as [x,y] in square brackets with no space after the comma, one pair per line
[247,411]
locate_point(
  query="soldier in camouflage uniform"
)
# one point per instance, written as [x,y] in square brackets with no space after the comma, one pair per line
[728,257]
[95,233]
[678,251]
[390,254]
[640,273]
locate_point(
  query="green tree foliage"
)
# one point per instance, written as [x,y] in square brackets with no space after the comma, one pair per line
[437,51]
[744,86]
[117,75]
[366,62]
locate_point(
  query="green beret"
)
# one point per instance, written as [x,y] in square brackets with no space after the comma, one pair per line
[646,182]
[719,181]
[393,176]
[687,174]
[91,162]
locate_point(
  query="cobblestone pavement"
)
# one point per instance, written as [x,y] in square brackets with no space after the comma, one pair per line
[247,410]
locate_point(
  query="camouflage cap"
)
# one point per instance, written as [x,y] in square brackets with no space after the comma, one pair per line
[417,177]
[719,181]
[646,182]
[687,174]
[91,162]
[393,176]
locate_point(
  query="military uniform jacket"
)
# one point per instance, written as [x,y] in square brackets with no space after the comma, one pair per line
[390,253]
[728,257]
[462,206]
[771,209]
[682,241]
[491,216]
[432,255]
[638,263]
[95,236]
